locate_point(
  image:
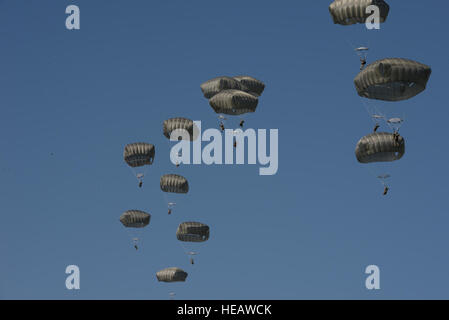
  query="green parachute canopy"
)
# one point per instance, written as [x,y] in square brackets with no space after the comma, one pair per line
[192,232]
[233,102]
[392,79]
[211,87]
[135,219]
[380,147]
[251,85]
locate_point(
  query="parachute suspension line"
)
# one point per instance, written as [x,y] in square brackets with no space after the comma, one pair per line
[145,169]
[187,252]
[136,242]
[393,127]
[353,47]
[133,171]
[160,173]
[135,234]
[139,176]
[168,202]
[395,124]
[165,198]
[375,114]
[378,176]
[183,247]
[358,52]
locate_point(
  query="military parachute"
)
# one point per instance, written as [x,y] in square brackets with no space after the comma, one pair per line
[379,149]
[348,12]
[180,125]
[213,86]
[392,79]
[171,275]
[190,234]
[233,96]
[251,85]
[134,221]
[139,156]
[362,52]
[233,102]
[172,184]
[181,129]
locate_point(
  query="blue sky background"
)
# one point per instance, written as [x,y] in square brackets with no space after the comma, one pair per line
[71,100]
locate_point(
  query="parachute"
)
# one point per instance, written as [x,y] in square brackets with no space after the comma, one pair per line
[174,183]
[377,117]
[192,232]
[234,96]
[138,155]
[384,181]
[380,147]
[348,12]
[387,114]
[175,124]
[362,52]
[171,275]
[395,123]
[233,102]
[380,150]
[137,220]
[211,87]
[392,79]
[395,120]
[251,85]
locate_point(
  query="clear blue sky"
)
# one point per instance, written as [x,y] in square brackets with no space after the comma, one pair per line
[71,100]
